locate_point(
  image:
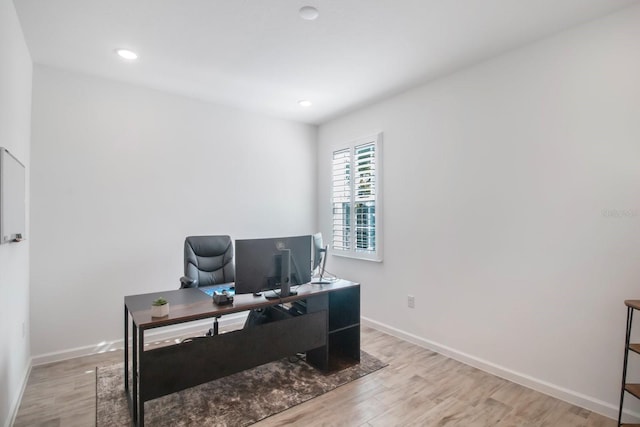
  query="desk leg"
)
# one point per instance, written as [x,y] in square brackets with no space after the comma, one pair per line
[134,373]
[126,351]
[140,384]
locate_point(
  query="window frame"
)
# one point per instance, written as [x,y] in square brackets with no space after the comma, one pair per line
[352,252]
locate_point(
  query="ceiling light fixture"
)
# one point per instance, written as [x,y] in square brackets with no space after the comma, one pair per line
[309,13]
[127,54]
[304,103]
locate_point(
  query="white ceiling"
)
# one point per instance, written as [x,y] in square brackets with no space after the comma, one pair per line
[261,56]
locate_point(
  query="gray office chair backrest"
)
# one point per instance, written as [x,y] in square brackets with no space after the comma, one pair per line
[208,260]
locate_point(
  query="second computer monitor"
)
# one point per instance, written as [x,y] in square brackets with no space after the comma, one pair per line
[260,262]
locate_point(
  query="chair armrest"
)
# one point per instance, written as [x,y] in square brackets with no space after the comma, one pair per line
[188,282]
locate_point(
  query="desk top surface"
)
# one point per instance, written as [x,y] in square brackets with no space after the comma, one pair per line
[192,304]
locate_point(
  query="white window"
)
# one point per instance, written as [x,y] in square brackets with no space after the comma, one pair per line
[356,199]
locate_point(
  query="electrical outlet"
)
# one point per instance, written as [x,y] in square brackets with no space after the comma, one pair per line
[411,301]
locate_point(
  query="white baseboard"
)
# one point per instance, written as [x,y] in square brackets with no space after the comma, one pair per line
[595,405]
[15,405]
[167,333]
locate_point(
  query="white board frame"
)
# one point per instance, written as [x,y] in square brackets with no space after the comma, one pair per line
[12,198]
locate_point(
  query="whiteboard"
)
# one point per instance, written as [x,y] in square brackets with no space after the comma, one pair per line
[12,198]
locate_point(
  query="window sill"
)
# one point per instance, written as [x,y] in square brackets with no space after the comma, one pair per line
[355,255]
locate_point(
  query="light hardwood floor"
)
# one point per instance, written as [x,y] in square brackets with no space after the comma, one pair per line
[418,388]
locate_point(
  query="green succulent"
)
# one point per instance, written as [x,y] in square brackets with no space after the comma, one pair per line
[160,301]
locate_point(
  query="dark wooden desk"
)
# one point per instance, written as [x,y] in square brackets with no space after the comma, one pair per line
[329,333]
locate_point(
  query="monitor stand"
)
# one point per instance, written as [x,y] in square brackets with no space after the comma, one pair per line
[277,294]
[319,280]
[285,277]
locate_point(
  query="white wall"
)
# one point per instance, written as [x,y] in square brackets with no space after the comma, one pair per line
[123,174]
[15,116]
[501,184]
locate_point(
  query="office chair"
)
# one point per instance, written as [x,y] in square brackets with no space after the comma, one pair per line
[208,260]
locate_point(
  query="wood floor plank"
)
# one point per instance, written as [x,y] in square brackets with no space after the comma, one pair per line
[417,388]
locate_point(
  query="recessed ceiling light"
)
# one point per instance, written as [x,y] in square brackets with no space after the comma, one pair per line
[127,54]
[304,103]
[309,13]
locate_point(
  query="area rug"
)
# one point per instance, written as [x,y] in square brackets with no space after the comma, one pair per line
[237,400]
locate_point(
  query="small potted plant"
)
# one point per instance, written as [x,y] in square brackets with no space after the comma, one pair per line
[160,308]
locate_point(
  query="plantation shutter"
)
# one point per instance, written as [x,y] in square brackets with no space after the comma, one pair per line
[341,199]
[355,199]
[365,197]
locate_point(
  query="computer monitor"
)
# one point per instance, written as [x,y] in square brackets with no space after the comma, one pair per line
[319,259]
[272,265]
